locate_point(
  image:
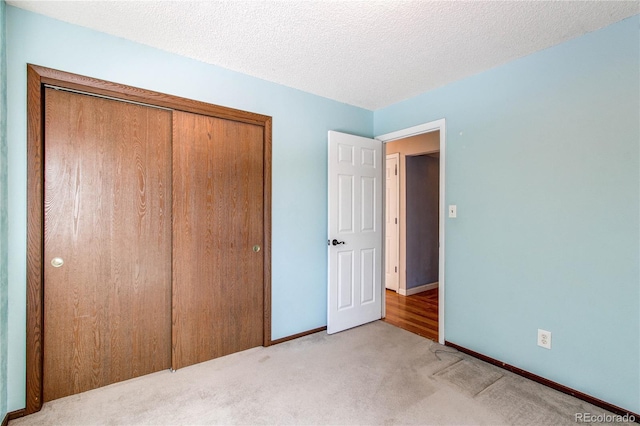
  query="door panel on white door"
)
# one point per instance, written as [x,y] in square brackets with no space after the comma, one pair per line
[368,157]
[345,280]
[355,225]
[345,207]
[368,206]
[367,274]
[345,154]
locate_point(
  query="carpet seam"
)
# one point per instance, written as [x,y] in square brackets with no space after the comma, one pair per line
[487,387]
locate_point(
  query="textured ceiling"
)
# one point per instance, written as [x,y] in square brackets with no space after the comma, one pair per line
[365,53]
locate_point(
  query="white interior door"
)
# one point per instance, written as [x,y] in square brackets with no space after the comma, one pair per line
[355,231]
[391,229]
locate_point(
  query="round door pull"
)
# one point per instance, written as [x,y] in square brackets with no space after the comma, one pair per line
[57,262]
[336,242]
[256,248]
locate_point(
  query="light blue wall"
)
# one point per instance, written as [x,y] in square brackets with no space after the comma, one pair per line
[3,215]
[542,160]
[300,125]
[545,175]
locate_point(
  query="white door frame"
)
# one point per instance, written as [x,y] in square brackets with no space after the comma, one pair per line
[396,241]
[432,126]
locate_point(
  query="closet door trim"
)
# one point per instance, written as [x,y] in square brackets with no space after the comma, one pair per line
[37,78]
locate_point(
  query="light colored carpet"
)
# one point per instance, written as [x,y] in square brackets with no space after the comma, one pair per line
[375,374]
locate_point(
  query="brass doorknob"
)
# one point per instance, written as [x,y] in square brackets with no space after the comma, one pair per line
[256,248]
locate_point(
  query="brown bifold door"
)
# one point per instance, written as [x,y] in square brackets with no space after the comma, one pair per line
[218,266]
[107,231]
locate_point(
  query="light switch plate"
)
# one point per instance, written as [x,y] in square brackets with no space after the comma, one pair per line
[453,210]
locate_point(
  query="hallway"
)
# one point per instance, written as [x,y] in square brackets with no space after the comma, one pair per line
[417,313]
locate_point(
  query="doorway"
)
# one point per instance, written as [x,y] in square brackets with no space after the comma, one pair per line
[417,304]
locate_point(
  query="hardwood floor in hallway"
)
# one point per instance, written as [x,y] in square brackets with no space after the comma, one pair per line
[417,313]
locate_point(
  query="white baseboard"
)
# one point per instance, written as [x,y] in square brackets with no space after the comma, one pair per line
[416,290]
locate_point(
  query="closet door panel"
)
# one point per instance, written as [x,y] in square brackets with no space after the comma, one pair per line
[217,237]
[107,202]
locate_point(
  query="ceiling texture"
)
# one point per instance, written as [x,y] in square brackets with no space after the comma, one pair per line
[365,53]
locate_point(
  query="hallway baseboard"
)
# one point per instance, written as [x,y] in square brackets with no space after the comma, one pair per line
[416,290]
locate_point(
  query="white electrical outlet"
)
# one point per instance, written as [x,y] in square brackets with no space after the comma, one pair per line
[544,338]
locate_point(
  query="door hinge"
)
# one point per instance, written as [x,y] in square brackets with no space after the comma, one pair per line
[396,269]
[396,172]
[396,220]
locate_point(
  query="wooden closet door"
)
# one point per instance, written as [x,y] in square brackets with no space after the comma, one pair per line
[217,220]
[108,217]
